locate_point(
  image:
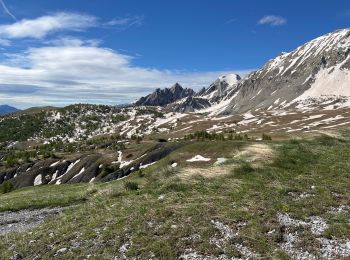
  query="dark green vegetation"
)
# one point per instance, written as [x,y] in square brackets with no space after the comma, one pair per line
[60,122]
[204,135]
[6,187]
[163,211]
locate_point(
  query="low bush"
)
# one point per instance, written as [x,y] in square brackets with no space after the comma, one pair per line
[130,185]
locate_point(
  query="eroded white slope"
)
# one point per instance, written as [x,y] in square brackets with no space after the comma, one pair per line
[333,81]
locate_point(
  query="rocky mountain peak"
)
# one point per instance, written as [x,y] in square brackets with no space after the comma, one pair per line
[163,97]
[176,88]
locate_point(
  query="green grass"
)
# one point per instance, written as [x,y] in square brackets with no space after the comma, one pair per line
[160,216]
[46,196]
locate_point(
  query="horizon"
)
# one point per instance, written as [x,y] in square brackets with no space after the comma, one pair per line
[56,54]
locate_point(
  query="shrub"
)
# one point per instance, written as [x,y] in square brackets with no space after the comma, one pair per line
[140,173]
[245,168]
[130,185]
[266,137]
[6,187]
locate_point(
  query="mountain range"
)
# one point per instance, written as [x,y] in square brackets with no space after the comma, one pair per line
[314,75]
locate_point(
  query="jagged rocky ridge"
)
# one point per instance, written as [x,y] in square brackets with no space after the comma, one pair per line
[178,99]
[163,97]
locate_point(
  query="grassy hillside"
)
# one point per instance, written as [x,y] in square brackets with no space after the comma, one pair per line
[250,206]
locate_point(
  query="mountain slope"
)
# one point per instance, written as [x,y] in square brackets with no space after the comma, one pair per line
[5,109]
[317,73]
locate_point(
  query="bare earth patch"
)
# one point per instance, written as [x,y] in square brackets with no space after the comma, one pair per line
[24,219]
[211,172]
[256,154]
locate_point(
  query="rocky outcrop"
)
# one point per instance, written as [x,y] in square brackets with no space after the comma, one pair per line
[53,171]
[84,169]
[153,155]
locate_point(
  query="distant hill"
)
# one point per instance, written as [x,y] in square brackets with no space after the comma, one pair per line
[5,109]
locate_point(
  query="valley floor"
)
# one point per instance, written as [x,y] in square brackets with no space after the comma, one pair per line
[273,199]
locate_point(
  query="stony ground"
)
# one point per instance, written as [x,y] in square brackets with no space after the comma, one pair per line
[23,220]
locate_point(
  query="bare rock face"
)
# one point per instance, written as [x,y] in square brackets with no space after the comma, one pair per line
[316,73]
[189,104]
[163,97]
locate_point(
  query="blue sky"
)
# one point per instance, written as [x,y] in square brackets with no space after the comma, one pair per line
[114,51]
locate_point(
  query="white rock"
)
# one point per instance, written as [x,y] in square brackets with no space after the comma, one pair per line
[199,158]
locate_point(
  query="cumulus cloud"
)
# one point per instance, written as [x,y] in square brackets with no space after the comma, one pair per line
[40,27]
[80,73]
[272,20]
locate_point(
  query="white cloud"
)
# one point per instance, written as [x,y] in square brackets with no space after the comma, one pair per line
[272,20]
[73,41]
[126,21]
[42,26]
[79,73]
